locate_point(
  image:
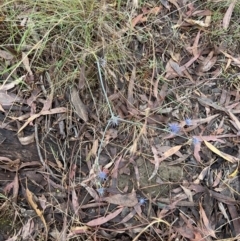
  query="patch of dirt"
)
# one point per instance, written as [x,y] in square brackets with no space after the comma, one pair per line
[161,184]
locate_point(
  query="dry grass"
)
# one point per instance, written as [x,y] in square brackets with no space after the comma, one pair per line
[62,42]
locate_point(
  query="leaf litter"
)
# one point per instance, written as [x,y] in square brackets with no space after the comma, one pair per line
[155,143]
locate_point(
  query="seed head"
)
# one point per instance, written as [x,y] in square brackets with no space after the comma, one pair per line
[114,121]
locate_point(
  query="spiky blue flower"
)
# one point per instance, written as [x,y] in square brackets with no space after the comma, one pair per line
[142,201]
[188,121]
[101,191]
[195,141]
[174,128]
[102,176]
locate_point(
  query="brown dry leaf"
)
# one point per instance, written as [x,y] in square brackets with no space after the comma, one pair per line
[136,170]
[75,202]
[228,15]
[9,98]
[110,134]
[235,120]
[217,179]
[9,86]
[233,174]
[188,193]
[197,148]
[1,109]
[235,60]
[6,55]
[170,152]
[199,22]
[29,164]
[206,221]
[102,220]
[214,138]
[27,229]
[129,216]
[126,200]
[80,108]
[26,64]
[76,230]
[163,93]
[166,4]
[46,112]
[194,48]
[136,20]
[91,191]
[223,211]
[174,2]
[11,166]
[26,140]
[115,168]
[131,86]
[93,151]
[155,10]
[165,155]
[175,66]
[202,175]
[32,203]
[15,188]
[197,236]
[223,198]
[13,185]
[225,156]
[233,210]
[208,63]
[156,161]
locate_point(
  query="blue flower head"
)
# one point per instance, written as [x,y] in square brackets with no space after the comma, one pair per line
[142,201]
[188,121]
[195,141]
[102,176]
[174,128]
[101,191]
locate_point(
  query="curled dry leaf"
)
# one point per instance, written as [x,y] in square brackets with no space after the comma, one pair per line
[6,55]
[9,98]
[102,220]
[165,155]
[131,86]
[228,15]
[9,86]
[75,202]
[26,64]
[206,222]
[33,204]
[27,229]
[129,216]
[26,140]
[127,200]
[225,156]
[80,108]
[13,185]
